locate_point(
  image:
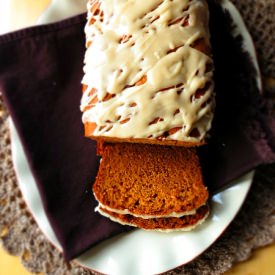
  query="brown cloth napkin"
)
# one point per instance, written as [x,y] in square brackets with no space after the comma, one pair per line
[40,74]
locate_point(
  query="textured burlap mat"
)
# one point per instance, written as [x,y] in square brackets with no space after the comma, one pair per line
[253,227]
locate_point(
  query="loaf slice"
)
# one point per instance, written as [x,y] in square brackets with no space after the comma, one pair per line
[146,180]
[148,72]
[184,223]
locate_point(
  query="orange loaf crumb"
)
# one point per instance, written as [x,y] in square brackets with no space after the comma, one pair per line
[144,179]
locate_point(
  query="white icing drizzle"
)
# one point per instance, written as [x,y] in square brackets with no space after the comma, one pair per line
[131,41]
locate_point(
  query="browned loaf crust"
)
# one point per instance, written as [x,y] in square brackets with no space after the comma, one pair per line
[149,180]
[187,222]
[159,141]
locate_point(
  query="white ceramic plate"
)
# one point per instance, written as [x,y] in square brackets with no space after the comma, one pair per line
[138,252]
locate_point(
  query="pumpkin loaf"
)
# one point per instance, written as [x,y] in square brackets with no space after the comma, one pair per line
[148,82]
[184,223]
[148,72]
[147,181]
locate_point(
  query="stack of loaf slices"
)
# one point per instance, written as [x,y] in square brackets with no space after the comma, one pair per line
[152,187]
[148,101]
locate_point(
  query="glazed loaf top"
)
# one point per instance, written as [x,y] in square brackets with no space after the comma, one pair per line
[148,70]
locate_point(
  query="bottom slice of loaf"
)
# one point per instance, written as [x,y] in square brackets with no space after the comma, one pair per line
[184,223]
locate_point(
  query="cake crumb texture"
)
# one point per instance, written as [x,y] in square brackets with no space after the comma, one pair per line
[150,180]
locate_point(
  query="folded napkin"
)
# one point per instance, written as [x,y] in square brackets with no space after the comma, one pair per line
[40,74]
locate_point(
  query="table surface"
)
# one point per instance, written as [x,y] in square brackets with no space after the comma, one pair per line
[27,12]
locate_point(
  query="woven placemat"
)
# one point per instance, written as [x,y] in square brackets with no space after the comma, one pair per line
[253,227]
